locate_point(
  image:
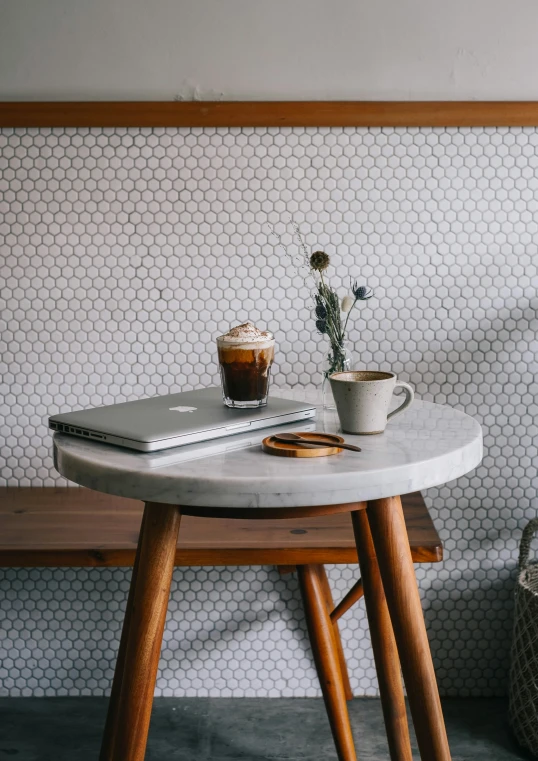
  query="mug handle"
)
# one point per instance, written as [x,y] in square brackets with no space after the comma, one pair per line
[409,396]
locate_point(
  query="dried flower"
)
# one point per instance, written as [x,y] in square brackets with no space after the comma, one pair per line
[319,261]
[362,292]
[347,303]
[321,311]
[328,306]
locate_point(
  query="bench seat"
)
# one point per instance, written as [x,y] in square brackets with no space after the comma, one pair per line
[79,527]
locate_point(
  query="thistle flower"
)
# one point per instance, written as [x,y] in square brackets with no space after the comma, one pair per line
[347,303]
[331,313]
[362,292]
[319,261]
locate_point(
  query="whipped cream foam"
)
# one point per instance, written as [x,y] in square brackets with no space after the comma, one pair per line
[247,333]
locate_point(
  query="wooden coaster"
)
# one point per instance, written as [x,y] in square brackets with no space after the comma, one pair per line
[289,449]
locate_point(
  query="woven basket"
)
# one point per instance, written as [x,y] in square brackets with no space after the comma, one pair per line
[523,693]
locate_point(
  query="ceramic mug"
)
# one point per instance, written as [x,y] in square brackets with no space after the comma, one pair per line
[363,399]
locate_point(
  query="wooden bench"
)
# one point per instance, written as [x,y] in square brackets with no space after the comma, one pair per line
[78,527]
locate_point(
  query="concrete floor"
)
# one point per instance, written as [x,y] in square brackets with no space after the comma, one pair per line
[199,729]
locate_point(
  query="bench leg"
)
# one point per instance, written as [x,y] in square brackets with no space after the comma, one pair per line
[322,640]
[285,569]
[387,524]
[128,722]
[383,643]
[330,607]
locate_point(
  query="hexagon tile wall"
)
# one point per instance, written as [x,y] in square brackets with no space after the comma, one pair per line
[125,252]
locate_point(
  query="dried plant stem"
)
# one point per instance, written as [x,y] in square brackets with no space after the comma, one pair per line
[328,309]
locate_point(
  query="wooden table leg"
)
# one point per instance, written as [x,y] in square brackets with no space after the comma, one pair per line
[107,744]
[348,600]
[383,643]
[150,601]
[340,650]
[322,640]
[389,534]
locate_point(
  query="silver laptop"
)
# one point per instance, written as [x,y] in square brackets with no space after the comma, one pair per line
[162,422]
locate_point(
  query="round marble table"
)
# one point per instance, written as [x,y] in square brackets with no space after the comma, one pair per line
[427,445]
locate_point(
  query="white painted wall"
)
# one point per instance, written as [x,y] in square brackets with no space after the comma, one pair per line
[255,49]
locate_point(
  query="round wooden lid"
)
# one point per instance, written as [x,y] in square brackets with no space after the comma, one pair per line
[289,449]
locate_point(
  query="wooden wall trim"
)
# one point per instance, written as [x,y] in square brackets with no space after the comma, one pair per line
[271,114]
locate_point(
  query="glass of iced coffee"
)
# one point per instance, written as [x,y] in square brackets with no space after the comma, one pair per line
[245,358]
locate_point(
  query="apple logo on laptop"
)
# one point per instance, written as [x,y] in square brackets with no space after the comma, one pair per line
[180,408]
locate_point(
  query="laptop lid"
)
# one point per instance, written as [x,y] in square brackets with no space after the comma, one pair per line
[164,421]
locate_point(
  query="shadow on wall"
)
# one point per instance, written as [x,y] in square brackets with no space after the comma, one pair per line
[481,516]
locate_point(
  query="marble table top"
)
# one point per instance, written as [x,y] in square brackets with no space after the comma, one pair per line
[427,445]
